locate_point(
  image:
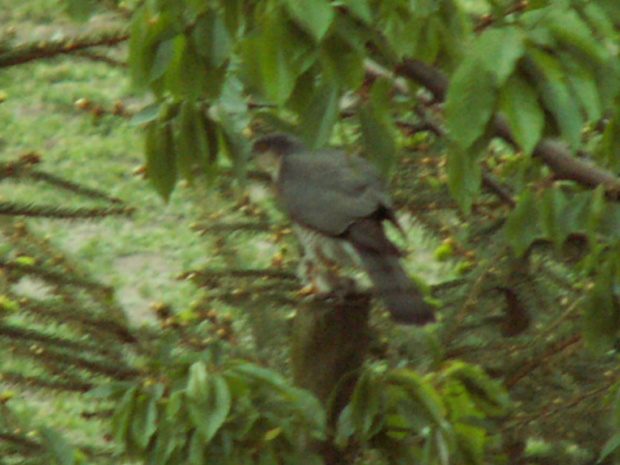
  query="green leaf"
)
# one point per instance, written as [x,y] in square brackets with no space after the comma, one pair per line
[212,38]
[268,62]
[345,428]
[600,319]
[197,448]
[557,96]
[610,447]
[519,103]
[470,103]
[553,204]
[498,51]
[160,158]
[582,83]
[175,404]
[147,32]
[198,386]
[596,213]
[219,408]
[313,16]
[521,228]
[378,131]
[365,404]
[360,9]
[319,118]
[146,114]
[568,28]
[423,393]
[144,423]
[123,415]
[342,63]
[164,53]
[610,145]
[170,436]
[464,177]
[186,140]
[61,451]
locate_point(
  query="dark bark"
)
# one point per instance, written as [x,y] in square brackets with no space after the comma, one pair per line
[330,343]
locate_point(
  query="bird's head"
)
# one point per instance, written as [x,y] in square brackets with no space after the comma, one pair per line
[268,151]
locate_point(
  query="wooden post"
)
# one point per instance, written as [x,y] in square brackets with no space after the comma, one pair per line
[330,343]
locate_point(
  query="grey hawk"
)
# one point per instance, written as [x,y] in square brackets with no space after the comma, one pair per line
[337,203]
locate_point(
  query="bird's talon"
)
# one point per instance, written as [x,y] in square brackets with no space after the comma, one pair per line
[307,291]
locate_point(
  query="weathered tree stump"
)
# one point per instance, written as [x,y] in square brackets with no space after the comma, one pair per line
[330,343]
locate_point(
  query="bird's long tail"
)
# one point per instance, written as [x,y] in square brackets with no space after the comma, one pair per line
[381,259]
[403,299]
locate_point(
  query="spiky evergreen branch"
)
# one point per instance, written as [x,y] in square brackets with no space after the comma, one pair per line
[16,332]
[72,186]
[50,211]
[52,48]
[68,360]
[43,382]
[55,277]
[101,328]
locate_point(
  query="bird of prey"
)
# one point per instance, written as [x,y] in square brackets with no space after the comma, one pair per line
[337,203]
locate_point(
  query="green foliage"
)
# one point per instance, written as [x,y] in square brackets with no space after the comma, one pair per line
[234,413]
[439,417]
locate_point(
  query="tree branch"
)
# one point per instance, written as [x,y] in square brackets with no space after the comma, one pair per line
[553,153]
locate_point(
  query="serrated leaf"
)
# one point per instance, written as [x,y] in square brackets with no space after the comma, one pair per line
[378,131]
[498,51]
[164,52]
[611,446]
[464,177]
[123,415]
[470,103]
[313,16]
[568,28]
[521,227]
[519,103]
[147,32]
[365,404]
[582,82]
[186,140]
[344,62]
[219,406]
[263,375]
[345,427]
[600,319]
[198,385]
[146,114]
[557,97]
[197,448]
[423,393]
[168,439]
[319,118]
[596,212]
[360,9]
[268,63]
[160,158]
[144,422]
[610,145]
[553,203]
[212,38]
